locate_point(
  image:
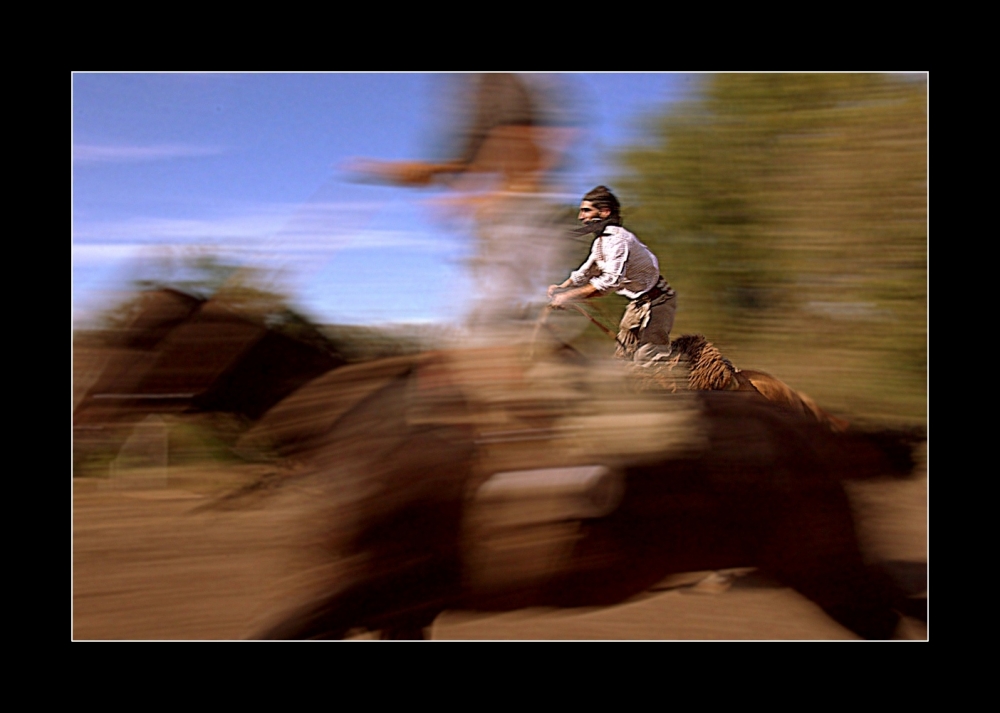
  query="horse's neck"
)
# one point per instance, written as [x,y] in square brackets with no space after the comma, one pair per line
[711,371]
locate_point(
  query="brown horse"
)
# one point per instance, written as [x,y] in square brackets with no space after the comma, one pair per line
[181,354]
[708,370]
[455,482]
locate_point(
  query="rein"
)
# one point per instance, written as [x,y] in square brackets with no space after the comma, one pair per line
[579,308]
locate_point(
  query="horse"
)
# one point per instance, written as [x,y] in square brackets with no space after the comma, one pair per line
[477,481]
[176,353]
[708,370]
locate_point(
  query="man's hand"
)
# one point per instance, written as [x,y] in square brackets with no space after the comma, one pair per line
[559,300]
[574,295]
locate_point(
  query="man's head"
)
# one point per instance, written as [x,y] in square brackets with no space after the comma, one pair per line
[600,204]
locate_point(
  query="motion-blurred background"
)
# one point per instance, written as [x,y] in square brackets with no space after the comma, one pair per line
[788,210]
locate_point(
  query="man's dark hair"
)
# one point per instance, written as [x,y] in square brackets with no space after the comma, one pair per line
[604,199]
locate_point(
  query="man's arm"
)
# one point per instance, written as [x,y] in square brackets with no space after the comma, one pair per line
[575,295]
[561,294]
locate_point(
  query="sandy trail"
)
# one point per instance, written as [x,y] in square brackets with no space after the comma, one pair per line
[148,563]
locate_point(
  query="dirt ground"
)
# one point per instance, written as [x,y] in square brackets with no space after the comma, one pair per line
[151,562]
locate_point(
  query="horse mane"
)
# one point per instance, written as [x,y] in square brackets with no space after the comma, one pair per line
[708,369]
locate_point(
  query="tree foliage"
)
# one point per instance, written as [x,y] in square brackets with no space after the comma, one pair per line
[790,212]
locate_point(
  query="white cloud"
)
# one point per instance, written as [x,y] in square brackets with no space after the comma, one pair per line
[276,228]
[92,153]
[98,254]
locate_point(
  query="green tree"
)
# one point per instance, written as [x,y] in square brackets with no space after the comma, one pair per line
[790,212]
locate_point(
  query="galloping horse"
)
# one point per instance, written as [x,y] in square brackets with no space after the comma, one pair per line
[481,481]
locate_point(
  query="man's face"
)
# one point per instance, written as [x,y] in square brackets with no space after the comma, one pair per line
[590,214]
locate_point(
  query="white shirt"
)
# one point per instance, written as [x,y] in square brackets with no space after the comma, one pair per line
[618,262]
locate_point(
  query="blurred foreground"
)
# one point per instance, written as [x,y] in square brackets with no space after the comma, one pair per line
[147,565]
[488,478]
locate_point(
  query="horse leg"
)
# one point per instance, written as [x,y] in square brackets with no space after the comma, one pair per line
[388,604]
[815,550]
[330,617]
[410,627]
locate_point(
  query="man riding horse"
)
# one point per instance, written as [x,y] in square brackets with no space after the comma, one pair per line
[620,263]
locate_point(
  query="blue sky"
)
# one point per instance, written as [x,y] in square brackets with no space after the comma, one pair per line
[250,168]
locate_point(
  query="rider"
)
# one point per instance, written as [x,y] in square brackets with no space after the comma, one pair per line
[619,263]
